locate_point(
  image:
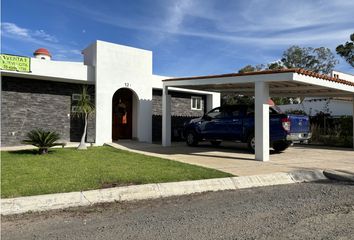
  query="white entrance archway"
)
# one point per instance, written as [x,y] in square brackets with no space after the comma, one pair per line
[125,106]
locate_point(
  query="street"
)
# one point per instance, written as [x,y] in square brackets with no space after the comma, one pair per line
[298,211]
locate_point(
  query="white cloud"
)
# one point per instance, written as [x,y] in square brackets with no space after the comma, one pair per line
[40,38]
[238,25]
[265,23]
[270,22]
[176,14]
[13,29]
[23,35]
[45,36]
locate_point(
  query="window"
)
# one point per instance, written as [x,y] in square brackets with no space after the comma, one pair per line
[196,103]
[232,111]
[76,97]
[215,113]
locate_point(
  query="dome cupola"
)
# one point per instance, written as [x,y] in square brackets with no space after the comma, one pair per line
[42,53]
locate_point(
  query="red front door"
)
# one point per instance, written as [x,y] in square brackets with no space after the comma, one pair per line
[122,106]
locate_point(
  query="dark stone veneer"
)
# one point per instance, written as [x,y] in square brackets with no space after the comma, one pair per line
[27,104]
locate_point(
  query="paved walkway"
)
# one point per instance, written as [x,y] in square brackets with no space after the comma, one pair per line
[28,147]
[235,159]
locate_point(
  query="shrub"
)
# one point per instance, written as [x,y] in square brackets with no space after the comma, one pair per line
[339,134]
[346,126]
[42,139]
[316,133]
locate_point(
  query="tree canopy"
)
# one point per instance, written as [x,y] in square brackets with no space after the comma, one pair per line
[250,68]
[319,60]
[346,51]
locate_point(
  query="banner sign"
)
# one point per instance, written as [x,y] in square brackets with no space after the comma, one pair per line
[15,63]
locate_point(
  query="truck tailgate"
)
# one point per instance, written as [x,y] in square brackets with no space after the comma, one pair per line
[299,123]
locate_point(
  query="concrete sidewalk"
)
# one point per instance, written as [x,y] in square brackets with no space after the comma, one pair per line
[235,159]
[30,147]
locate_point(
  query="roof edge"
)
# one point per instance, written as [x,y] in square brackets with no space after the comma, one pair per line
[291,70]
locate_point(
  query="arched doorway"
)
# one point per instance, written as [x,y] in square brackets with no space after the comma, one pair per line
[122,114]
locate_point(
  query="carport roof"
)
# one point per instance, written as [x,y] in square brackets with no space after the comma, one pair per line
[283,82]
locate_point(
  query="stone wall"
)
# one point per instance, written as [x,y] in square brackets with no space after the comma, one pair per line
[27,104]
[180,104]
[181,112]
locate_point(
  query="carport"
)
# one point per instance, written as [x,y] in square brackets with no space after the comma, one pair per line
[262,85]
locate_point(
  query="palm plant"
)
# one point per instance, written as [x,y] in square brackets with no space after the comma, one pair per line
[84,108]
[42,139]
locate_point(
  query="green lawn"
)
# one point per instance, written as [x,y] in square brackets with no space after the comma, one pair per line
[24,173]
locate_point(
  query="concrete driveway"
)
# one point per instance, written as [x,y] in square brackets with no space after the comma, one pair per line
[235,159]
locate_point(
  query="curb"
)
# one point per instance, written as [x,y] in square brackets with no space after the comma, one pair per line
[339,175]
[46,202]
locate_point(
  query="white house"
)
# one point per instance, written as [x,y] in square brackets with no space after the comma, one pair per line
[126,93]
[133,103]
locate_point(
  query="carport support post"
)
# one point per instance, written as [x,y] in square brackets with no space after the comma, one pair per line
[166,117]
[261,108]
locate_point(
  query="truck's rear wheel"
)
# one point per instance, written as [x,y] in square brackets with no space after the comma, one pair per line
[191,139]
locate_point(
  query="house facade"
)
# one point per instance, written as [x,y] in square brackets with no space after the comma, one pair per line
[121,83]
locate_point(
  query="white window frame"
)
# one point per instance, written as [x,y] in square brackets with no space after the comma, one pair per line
[200,99]
[76,97]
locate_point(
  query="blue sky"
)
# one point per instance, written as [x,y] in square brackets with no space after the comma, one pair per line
[187,37]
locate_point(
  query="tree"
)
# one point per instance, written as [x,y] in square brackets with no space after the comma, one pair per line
[250,68]
[260,67]
[346,51]
[84,108]
[275,65]
[232,99]
[319,60]
[282,100]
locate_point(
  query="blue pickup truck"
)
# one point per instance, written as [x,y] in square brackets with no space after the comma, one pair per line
[236,123]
